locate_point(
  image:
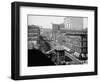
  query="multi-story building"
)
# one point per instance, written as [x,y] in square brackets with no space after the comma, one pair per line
[55,30]
[73,35]
[76,40]
[75,23]
[33,35]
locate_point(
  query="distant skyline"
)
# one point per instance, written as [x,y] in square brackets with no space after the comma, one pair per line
[46,21]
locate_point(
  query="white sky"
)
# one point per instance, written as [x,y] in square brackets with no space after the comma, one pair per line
[46,21]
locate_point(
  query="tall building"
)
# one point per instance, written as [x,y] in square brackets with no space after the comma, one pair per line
[56,28]
[75,23]
[67,23]
[76,33]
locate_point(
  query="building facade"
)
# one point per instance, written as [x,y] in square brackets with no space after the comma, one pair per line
[75,23]
[33,36]
[73,35]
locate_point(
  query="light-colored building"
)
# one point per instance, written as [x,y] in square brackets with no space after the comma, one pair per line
[75,23]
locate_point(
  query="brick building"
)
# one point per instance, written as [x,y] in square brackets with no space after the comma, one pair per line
[33,35]
[76,40]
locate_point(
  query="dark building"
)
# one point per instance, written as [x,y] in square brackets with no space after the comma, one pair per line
[36,57]
[33,35]
[55,29]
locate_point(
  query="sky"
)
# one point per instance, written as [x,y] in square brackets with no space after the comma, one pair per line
[47,21]
[44,21]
